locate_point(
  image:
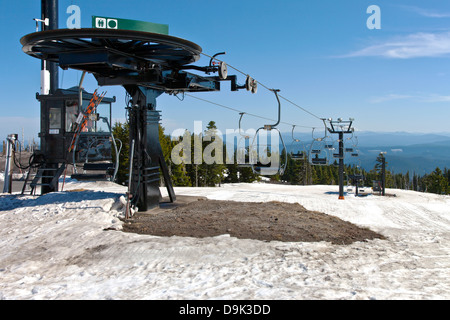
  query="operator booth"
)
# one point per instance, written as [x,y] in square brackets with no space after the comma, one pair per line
[60,114]
[70,134]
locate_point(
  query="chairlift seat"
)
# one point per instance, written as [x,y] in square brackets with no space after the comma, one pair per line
[244,165]
[319,161]
[298,155]
[102,166]
[91,177]
[267,170]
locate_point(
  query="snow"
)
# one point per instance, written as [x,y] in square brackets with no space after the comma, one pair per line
[67,245]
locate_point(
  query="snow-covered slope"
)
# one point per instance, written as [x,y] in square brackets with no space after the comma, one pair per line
[62,246]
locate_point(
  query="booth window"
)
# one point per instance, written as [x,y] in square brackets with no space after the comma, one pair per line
[104,110]
[71,115]
[54,118]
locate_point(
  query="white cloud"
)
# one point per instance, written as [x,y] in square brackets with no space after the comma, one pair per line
[427,12]
[416,45]
[436,98]
[424,98]
[390,97]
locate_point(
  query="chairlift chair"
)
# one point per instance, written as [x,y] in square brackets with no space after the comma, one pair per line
[354,140]
[355,152]
[266,167]
[328,141]
[338,156]
[318,156]
[297,148]
[319,161]
[317,149]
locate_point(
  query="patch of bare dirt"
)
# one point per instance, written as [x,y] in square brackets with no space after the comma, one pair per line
[266,221]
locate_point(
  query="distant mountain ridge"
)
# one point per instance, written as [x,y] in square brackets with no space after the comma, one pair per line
[367,138]
[418,153]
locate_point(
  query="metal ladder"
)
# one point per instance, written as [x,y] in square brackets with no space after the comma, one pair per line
[44,173]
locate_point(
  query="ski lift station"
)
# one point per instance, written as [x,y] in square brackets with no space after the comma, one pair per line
[76,125]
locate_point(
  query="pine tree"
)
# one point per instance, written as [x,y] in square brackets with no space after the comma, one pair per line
[122,132]
[213,148]
[379,162]
[177,172]
[447,176]
[166,144]
[436,182]
[180,176]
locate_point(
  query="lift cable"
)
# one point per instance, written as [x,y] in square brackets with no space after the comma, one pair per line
[266,87]
[240,111]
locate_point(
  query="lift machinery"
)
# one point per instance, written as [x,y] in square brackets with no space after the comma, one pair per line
[146,65]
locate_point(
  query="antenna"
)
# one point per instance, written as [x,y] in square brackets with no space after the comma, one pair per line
[46,22]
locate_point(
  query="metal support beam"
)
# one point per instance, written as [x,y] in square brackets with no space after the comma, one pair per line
[341,165]
[10,142]
[148,157]
[49,10]
[383,175]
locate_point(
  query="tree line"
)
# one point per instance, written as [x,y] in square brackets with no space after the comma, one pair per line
[297,172]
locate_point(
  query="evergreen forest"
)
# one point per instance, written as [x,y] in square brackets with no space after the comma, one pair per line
[297,172]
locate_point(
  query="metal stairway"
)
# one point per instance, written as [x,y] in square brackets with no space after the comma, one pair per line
[47,176]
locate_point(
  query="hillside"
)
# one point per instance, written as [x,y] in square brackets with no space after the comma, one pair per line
[419,153]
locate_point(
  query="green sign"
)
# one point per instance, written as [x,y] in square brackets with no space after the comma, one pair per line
[125,24]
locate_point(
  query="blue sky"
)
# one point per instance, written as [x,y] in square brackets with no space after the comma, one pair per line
[320,54]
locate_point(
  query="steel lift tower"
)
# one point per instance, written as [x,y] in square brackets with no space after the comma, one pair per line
[340,127]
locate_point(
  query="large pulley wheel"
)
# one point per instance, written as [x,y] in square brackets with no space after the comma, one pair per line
[160,49]
[223,70]
[251,84]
